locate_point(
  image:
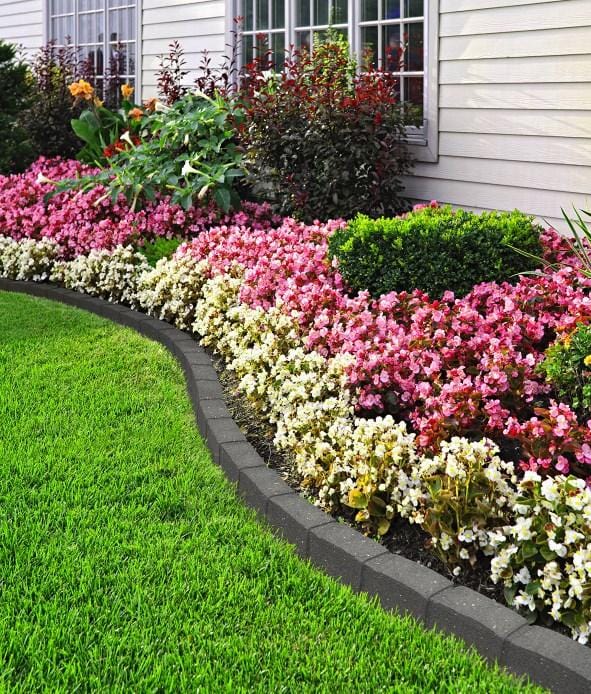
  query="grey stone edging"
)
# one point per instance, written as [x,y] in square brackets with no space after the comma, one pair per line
[497,632]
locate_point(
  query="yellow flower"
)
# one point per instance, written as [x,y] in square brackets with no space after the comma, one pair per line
[127,90]
[97,102]
[587,360]
[82,90]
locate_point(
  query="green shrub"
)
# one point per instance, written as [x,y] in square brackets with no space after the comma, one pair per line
[47,120]
[567,367]
[159,248]
[434,249]
[16,151]
[326,140]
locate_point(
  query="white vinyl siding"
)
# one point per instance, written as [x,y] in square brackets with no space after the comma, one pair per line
[198,25]
[21,22]
[514,107]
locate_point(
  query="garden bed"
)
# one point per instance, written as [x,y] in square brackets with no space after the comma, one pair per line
[422,421]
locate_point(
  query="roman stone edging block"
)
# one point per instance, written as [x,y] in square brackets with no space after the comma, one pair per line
[498,633]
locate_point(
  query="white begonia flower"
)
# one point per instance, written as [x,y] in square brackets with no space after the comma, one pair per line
[523,576]
[557,547]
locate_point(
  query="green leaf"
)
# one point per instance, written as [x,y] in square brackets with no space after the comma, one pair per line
[223,198]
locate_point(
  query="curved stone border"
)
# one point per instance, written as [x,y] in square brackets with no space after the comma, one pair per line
[497,632]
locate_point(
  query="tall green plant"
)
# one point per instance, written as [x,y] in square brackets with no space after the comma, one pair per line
[188,151]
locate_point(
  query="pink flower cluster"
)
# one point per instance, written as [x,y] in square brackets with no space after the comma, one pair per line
[452,366]
[80,222]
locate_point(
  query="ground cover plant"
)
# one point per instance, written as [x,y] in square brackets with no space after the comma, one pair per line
[130,564]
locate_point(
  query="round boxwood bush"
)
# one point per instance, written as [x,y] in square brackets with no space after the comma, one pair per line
[435,249]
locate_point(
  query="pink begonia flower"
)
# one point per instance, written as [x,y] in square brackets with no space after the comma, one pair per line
[448,366]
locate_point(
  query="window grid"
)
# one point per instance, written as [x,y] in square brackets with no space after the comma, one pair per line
[381,24]
[301,34]
[108,12]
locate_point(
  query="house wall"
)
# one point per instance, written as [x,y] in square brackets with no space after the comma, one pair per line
[197,24]
[514,107]
[21,22]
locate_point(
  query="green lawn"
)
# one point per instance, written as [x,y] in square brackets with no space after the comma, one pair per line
[127,563]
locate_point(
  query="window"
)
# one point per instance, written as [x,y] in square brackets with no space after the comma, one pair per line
[392,36]
[104,31]
[398,35]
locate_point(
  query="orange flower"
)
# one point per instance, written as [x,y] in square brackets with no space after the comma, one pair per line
[82,90]
[135,113]
[127,90]
[150,104]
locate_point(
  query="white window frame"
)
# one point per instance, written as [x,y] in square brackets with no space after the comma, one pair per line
[424,140]
[47,16]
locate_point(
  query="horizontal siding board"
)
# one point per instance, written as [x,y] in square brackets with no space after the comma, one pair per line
[463,5]
[571,96]
[542,203]
[180,30]
[12,9]
[516,44]
[575,151]
[183,13]
[551,123]
[535,69]
[158,4]
[549,15]
[557,177]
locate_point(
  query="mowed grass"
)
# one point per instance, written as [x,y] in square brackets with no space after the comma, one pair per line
[127,563]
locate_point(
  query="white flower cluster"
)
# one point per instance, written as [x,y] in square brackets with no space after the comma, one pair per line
[111,275]
[544,557]
[170,290]
[27,259]
[458,495]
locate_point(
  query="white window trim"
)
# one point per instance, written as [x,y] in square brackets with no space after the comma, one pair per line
[46,15]
[424,141]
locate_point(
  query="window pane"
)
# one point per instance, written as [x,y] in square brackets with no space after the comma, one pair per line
[120,3]
[303,13]
[415,51]
[413,88]
[413,8]
[369,45]
[62,28]
[84,5]
[321,12]
[122,25]
[248,16]
[369,10]
[391,47]
[278,50]
[302,40]
[62,6]
[391,9]
[90,27]
[278,18]
[262,19]
[247,50]
[339,11]
[95,55]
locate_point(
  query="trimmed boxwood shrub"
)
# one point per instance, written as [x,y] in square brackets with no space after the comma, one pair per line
[435,249]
